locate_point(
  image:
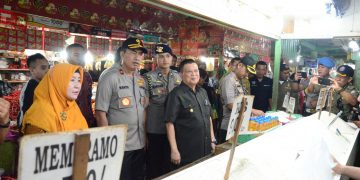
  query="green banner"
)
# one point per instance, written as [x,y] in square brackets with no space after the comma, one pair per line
[150,38]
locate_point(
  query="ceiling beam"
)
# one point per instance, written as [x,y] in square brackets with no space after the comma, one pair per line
[308,45]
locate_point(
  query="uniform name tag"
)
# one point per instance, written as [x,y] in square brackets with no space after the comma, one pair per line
[158,85]
[123,87]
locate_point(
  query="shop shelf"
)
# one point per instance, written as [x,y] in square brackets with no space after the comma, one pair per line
[16,81]
[7,69]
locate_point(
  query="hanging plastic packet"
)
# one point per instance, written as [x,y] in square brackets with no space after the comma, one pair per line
[333,74]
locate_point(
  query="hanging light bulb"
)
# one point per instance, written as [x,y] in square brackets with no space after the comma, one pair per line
[63,54]
[354,45]
[110,56]
[89,58]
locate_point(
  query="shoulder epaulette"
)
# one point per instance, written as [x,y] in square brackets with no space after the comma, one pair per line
[148,78]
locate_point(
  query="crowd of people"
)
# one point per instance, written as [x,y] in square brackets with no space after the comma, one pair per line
[175,114]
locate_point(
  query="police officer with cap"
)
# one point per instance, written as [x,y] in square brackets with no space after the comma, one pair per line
[159,83]
[345,94]
[121,99]
[232,86]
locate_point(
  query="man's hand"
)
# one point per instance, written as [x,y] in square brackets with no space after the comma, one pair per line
[213,147]
[314,80]
[175,157]
[335,85]
[256,112]
[4,111]
[297,76]
[357,123]
[338,169]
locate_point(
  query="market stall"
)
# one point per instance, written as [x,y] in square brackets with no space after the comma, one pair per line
[299,150]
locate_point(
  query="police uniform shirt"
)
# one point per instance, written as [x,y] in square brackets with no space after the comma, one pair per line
[116,66]
[190,112]
[157,87]
[230,88]
[123,99]
[339,104]
[262,90]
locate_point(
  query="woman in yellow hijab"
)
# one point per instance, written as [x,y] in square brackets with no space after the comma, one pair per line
[54,108]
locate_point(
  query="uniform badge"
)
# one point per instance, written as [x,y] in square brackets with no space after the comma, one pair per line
[63,116]
[140,82]
[159,49]
[178,81]
[191,110]
[125,101]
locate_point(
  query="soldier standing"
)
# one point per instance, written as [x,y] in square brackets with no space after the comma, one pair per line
[345,94]
[288,88]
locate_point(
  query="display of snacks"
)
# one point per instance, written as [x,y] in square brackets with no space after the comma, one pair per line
[80,40]
[115,44]
[99,46]
[54,41]
[263,123]
[34,39]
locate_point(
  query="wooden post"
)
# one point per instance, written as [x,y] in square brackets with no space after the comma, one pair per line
[234,138]
[319,113]
[81,148]
[322,100]
[330,101]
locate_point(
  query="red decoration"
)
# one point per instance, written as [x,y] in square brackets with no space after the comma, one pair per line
[13,98]
[13,20]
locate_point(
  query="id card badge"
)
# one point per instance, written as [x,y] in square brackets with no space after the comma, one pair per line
[291,106]
[286,100]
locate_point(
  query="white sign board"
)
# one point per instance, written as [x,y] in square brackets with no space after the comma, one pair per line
[235,114]
[54,23]
[247,113]
[50,156]
[286,101]
[291,106]
[322,98]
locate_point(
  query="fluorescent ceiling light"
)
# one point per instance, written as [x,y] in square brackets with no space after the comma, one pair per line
[354,45]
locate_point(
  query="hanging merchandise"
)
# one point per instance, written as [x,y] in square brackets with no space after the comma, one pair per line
[13,20]
[13,98]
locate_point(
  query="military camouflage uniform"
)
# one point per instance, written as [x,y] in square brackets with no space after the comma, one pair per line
[338,104]
[284,89]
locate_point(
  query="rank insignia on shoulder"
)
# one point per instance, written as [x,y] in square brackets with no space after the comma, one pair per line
[140,82]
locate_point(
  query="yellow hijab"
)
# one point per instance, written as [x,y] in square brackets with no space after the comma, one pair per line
[51,110]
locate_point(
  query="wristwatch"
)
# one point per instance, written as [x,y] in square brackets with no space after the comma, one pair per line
[214,141]
[6,125]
